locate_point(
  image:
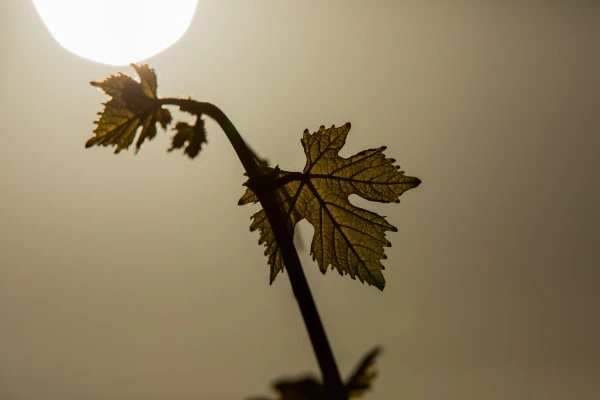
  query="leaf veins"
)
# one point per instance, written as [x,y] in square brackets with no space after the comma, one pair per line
[347,238]
[133,107]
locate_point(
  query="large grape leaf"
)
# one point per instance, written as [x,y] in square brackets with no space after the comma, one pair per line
[347,238]
[133,107]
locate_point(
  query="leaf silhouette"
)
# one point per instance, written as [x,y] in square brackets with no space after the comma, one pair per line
[133,106]
[189,137]
[347,238]
[310,388]
[362,378]
[306,388]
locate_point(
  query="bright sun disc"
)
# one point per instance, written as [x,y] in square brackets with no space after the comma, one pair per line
[116,32]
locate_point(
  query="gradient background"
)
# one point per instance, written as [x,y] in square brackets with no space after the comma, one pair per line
[135,277]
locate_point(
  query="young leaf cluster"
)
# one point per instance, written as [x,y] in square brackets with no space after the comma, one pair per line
[134,107]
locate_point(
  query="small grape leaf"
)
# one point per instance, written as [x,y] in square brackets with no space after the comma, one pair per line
[189,137]
[306,388]
[347,238]
[310,388]
[362,378]
[133,106]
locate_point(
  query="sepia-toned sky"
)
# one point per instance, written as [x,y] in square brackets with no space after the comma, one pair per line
[136,277]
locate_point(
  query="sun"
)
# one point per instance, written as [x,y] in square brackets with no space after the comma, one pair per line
[116,32]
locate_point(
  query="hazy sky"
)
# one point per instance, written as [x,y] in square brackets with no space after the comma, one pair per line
[136,277]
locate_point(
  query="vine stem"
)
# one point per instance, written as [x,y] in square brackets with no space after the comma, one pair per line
[266,195]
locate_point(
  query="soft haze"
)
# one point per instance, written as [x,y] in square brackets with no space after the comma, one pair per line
[136,277]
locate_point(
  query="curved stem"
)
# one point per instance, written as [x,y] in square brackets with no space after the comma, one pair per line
[198,108]
[268,200]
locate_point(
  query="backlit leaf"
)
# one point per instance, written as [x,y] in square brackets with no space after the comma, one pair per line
[132,108]
[347,238]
